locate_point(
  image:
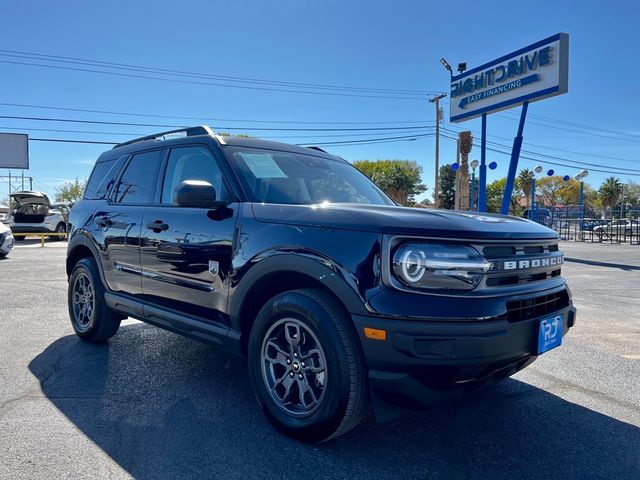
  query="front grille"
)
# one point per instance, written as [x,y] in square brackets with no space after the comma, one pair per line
[501,277]
[519,310]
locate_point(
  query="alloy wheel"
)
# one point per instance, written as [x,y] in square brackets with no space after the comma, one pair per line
[294,367]
[83,301]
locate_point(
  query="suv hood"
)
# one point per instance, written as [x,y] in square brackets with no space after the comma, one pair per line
[403,221]
[23,198]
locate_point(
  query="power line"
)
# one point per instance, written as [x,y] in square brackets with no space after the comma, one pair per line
[553,157]
[575,165]
[219,128]
[202,118]
[195,82]
[165,71]
[369,140]
[345,143]
[139,134]
[65,140]
[578,125]
[620,135]
[573,152]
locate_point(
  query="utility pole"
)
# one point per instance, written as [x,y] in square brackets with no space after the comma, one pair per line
[436,189]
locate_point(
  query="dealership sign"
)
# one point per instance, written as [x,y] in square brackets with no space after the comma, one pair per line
[532,73]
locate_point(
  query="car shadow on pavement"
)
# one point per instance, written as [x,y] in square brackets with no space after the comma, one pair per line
[164,406]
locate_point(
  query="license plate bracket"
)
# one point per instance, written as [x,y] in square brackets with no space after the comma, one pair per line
[550,333]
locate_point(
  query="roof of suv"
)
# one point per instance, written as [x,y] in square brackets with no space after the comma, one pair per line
[199,132]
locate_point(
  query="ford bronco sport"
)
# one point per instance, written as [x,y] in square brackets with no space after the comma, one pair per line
[292,257]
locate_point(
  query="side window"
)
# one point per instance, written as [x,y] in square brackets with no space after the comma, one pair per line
[137,184]
[101,180]
[192,163]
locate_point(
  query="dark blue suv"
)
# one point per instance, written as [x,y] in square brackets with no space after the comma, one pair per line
[292,257]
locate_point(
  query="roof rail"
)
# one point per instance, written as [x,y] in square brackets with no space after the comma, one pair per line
[188,131]
[317,148]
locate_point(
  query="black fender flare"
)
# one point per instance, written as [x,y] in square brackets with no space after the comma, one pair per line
[81,239]
[316,267]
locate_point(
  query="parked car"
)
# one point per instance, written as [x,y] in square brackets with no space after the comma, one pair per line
[540,215]
[6,240]
[294,258]
[621,227]
[589,224]
[34,213]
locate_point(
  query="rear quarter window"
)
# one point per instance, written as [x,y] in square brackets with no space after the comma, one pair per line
[102,179]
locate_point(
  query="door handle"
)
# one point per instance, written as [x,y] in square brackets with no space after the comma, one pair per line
[103,221]
[157,226]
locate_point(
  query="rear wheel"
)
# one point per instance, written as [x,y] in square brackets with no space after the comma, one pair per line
[306,367]
[91,318]
[61,230]
[19,238]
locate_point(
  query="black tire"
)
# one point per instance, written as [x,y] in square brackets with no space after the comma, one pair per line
[60,228]
[342,387]
[99,322]
[19,238]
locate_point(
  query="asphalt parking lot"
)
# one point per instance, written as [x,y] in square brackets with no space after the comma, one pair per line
[150,404]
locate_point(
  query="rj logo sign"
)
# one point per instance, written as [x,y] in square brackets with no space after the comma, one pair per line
[531,73]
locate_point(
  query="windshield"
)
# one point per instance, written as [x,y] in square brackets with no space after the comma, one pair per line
[284,177]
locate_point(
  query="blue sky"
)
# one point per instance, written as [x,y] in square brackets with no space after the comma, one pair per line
[367,44]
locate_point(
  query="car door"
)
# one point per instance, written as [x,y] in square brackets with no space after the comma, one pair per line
[120,221]
[186,252]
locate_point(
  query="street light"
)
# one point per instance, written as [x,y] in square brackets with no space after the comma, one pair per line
[446,65]
[580,178]
[474,164]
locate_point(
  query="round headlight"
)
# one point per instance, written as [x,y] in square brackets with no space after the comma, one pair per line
[436,266]
[412,264]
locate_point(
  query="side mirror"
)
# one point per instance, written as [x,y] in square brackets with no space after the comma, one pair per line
[195,194]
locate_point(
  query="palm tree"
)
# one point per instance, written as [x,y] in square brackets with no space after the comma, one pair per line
[466,143]
[525,182]
[610,191]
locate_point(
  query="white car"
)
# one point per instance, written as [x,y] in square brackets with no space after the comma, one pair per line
[618,227]
[34,213]
[6,240]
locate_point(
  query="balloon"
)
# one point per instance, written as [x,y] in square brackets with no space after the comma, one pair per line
[493,166]
[566,178]
[550,172]
[454,166]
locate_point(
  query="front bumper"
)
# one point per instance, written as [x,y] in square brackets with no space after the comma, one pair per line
[33,228]
[422,363]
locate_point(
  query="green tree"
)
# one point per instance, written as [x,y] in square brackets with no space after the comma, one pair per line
[399,179]
[447,184]
[610,191]
[71,192]
[550,190]
[631,194]
[524,182]
[495,192]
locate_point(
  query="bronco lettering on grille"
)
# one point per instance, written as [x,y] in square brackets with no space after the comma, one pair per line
[533,263]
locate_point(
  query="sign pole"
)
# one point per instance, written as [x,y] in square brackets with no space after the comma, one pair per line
[513,164]
[482,190]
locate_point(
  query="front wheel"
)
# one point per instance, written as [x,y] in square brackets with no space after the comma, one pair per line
[91,318]
[306,366]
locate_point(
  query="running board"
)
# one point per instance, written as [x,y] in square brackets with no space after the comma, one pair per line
[191,326]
